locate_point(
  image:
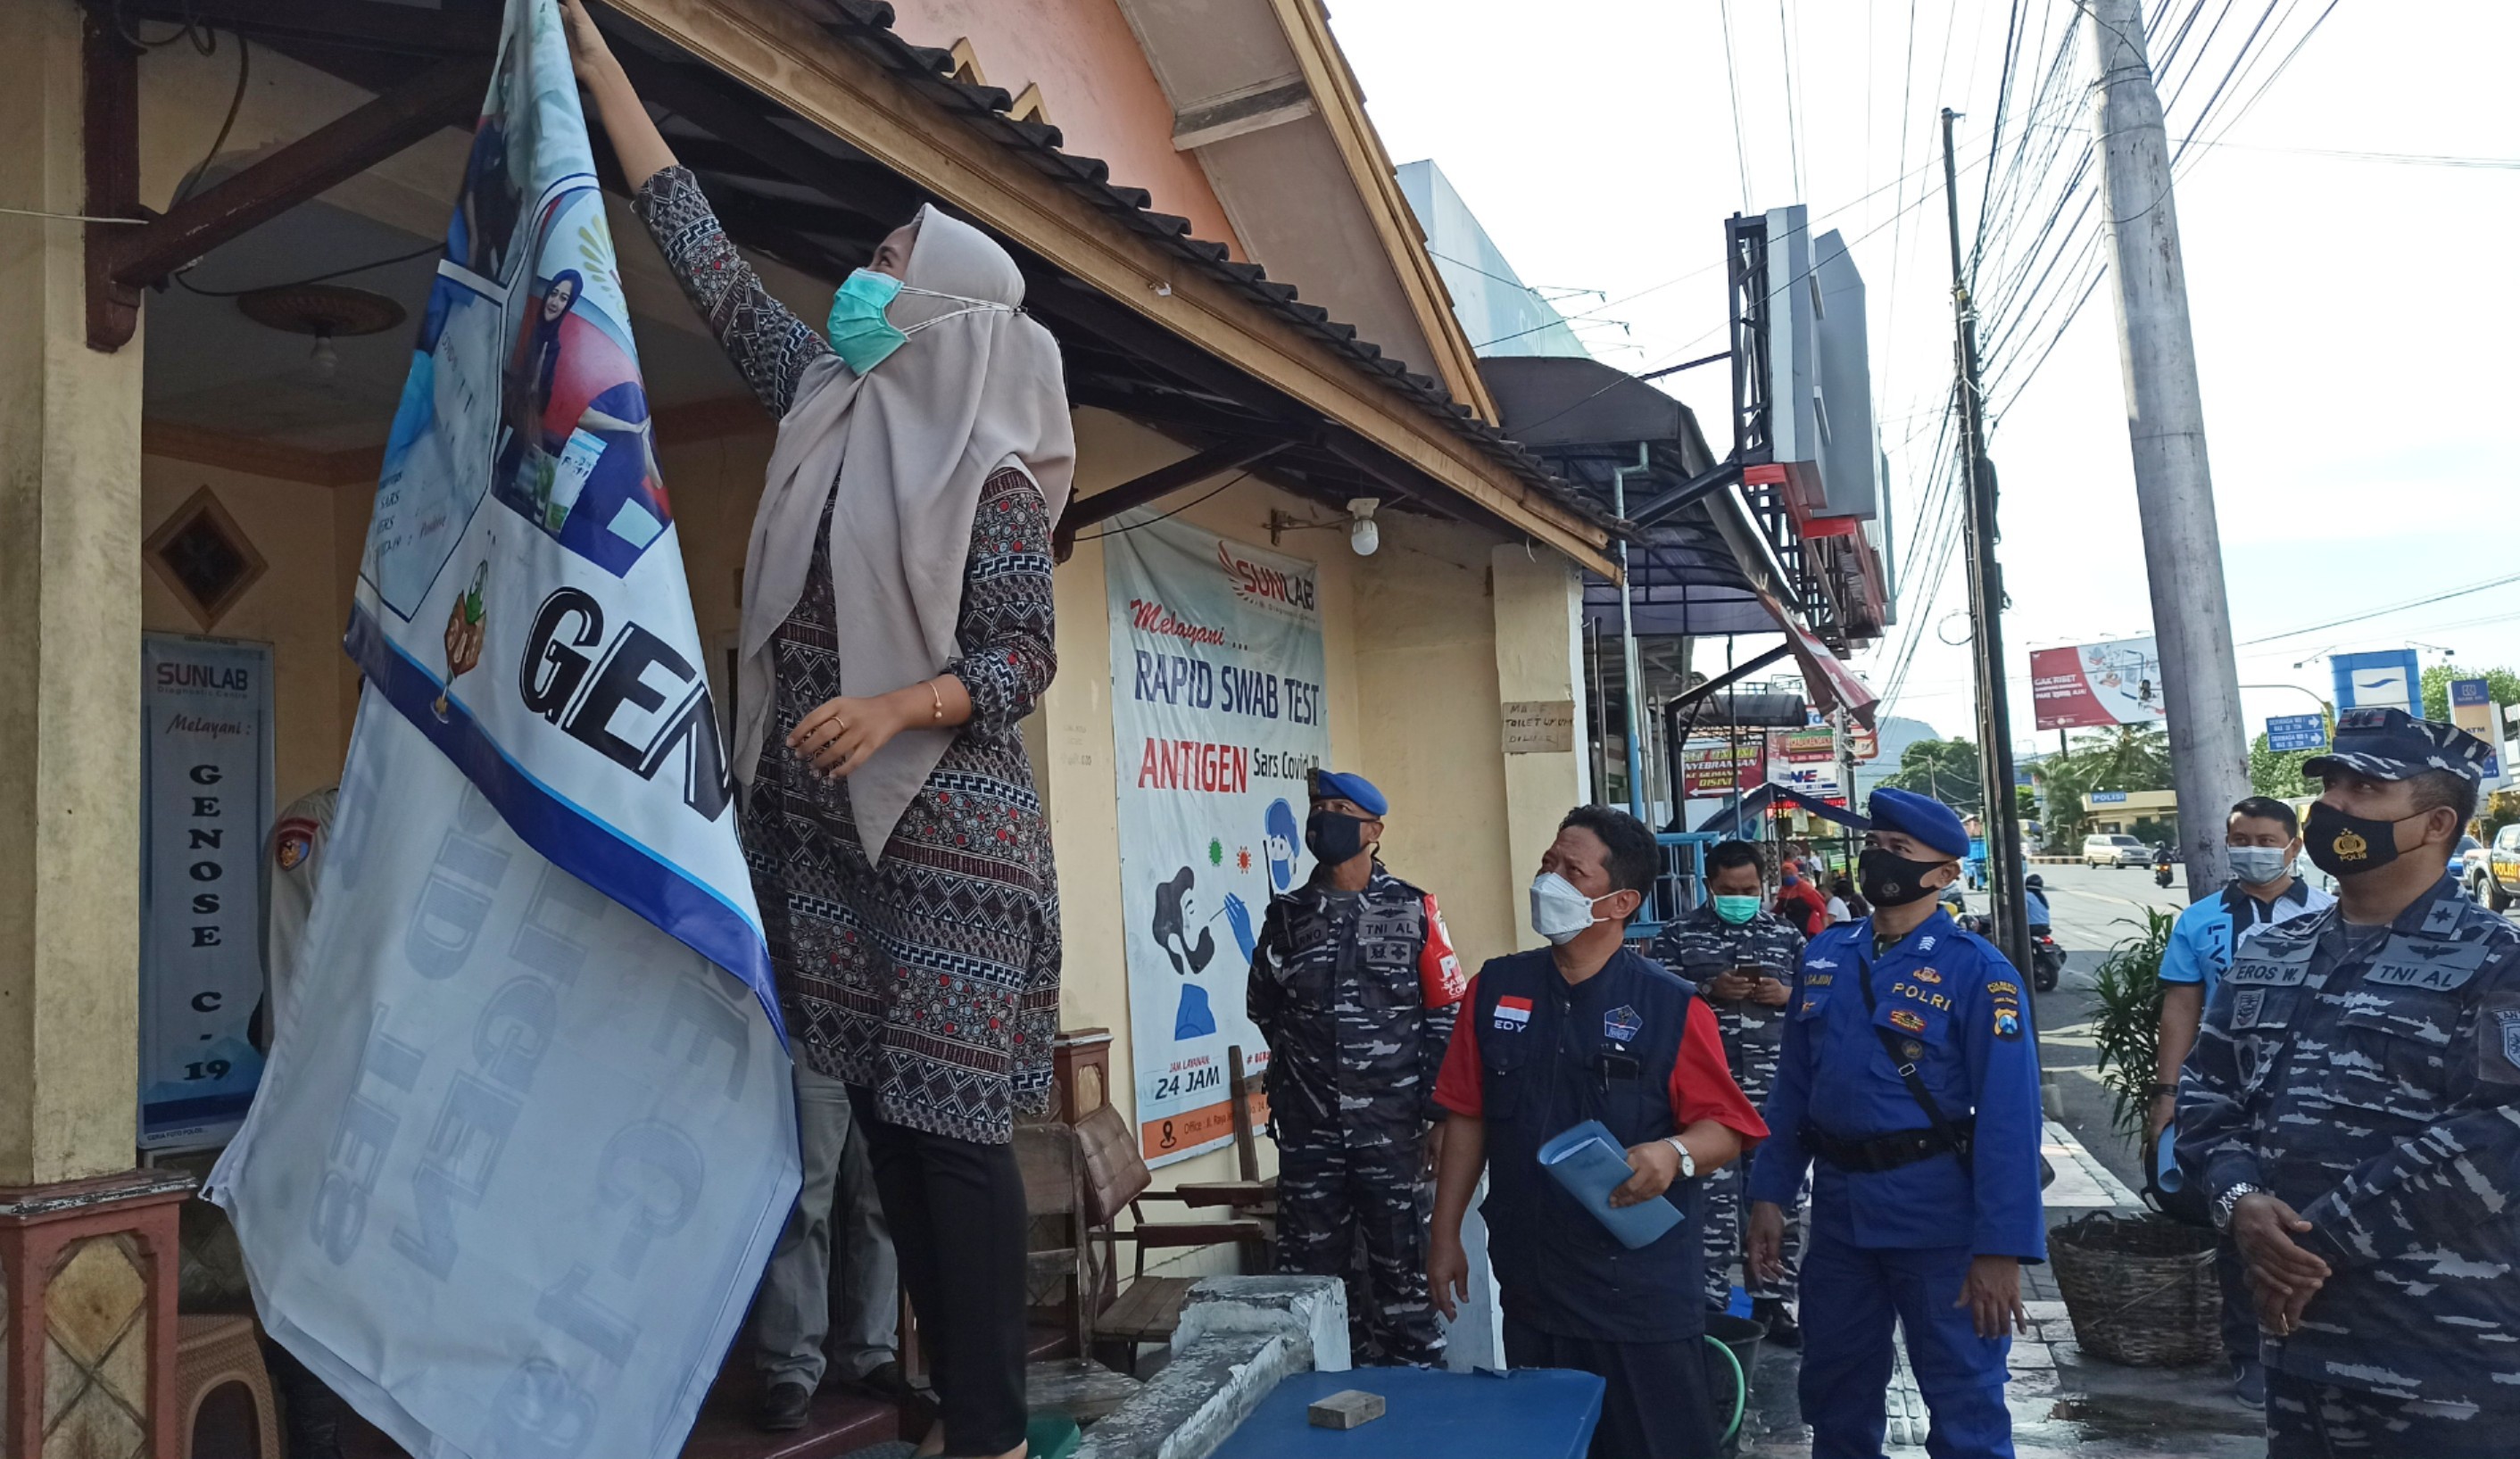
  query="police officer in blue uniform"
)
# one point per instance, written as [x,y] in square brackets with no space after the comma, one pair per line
[1909,1087]
[2352,1109]
[1587,1029]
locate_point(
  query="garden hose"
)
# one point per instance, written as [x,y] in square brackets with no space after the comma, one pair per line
[1741,1388]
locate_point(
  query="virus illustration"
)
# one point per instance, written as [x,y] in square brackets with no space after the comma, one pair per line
[1243,859]
[1215,852]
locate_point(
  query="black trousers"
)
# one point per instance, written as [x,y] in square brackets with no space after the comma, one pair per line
[1657,1406]
[957,1215]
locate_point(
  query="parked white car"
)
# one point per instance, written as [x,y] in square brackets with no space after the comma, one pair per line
[2115,850]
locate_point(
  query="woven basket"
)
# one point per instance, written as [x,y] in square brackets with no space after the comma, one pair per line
[2140,1290]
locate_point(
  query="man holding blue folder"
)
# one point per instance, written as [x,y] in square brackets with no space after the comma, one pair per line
[1909,1075]
[1587,1029]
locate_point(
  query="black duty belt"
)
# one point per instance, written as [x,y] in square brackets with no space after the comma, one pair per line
[1889,1152]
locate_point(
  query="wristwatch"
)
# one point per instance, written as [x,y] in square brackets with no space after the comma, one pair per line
[1688,1161]
[2228,1199]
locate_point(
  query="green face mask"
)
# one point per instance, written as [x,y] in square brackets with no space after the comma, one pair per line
[857,330]
[1736,910]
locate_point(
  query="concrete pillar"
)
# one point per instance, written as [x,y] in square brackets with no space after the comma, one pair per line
[87,1244]
[70,650]
[1540,675]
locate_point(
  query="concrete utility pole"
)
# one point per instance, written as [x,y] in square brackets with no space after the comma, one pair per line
[2001,817]
[2182,549]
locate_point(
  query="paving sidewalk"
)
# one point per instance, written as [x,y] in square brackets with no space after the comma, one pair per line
[2063,1401]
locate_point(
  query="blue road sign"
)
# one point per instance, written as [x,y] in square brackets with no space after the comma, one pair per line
[2290,732]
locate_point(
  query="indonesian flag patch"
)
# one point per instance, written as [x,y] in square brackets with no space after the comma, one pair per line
[1512,1013]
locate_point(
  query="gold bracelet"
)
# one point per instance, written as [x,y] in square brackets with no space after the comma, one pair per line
[936,710]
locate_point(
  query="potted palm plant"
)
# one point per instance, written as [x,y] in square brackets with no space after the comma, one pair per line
[2141,1288]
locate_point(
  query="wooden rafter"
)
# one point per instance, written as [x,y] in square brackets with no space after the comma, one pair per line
[447,93]
[1156,484]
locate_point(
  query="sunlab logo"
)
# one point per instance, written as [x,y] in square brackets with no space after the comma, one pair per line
[636,701]
[1268,584]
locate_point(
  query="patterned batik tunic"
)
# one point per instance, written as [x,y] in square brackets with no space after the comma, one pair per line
[930,977]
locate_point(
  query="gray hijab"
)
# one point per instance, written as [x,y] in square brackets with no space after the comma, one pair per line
[905,449]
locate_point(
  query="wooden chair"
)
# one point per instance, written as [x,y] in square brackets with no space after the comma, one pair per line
[1117,1179]
[213,1353]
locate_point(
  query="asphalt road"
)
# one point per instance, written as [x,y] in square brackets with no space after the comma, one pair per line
[2094,910]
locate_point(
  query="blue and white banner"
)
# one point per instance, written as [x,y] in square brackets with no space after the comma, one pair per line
[205,756]
[1217,714]
[513,1174]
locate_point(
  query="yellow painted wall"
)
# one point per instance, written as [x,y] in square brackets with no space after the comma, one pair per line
[297,606]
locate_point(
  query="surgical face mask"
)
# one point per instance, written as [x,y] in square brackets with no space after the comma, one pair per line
[860,333]
[1889,880]
[2256,866]
[2348,846]
[1559,911]
[1735,910]
[1333,838]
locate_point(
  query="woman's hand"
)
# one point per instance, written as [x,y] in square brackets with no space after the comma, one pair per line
[842,733]
[636,142]
[589,54]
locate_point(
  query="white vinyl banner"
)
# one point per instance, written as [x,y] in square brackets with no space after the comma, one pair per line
[508,1186]
[512,1178]
[1216,716]
[205,756]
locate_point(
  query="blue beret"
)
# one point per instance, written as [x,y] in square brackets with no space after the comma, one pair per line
[2393,744]
[1921,816]
[1331,785]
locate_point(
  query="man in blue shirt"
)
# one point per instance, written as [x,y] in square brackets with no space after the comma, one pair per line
[2034,891]
[2262,835]
[1910,1075]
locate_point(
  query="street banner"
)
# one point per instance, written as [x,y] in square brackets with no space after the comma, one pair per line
[205,756]
[1216,717]
[512,1178]
[2471,709]
[1805,761]
[2286,733]
[2388,679]
[2098,684]
[1717,765]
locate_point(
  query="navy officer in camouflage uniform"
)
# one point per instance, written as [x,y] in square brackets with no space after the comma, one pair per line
[1355,984]
[1742,960]
[2353,1110]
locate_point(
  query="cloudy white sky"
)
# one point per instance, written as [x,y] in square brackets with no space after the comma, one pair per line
[2353,316]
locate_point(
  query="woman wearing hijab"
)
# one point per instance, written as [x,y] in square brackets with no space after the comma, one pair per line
[896,626]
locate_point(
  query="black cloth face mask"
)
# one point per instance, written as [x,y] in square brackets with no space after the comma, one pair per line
[2348,846]
[1333,838]
[1891,881]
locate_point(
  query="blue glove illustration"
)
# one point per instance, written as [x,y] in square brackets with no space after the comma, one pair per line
[1239,916]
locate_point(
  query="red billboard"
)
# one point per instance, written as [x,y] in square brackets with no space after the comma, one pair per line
[2101,685]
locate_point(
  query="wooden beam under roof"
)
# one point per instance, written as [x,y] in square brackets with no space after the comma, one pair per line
[133,258]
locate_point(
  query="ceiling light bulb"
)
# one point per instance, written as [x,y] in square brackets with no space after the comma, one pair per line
[326,362]
[1362,533]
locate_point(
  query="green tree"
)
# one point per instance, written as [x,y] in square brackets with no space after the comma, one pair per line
[2025,802]
[1945,769]
[2501,685]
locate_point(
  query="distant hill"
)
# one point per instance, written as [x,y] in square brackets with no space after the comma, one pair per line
[1896,734]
